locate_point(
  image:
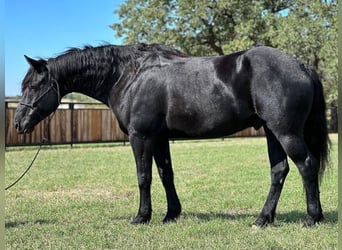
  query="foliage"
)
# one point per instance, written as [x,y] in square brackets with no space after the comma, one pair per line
[84,198]
[306,29]
[79,98]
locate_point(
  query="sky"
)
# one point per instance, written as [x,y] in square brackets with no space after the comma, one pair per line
[45,28]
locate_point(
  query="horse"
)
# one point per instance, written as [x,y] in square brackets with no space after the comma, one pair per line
[158,93]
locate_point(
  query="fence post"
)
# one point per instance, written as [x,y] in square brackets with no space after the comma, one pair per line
[71,107]
[333,123]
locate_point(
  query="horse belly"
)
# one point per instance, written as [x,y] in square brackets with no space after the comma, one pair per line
[211,122]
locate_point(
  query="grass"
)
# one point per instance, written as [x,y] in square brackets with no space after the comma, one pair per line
[85,197]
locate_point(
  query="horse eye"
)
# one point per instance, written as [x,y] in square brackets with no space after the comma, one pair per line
[34,86]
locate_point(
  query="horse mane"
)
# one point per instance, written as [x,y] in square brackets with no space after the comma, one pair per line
[111,54]
[161,50]
[115,55]
[128,52]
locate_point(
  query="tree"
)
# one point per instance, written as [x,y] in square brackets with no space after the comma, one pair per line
[199,27]
[309,32]
[306,29]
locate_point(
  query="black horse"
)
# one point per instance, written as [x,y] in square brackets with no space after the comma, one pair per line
[157,93]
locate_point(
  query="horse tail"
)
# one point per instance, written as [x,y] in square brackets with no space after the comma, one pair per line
[316,130]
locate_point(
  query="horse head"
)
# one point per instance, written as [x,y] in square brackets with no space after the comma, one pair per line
[40,96]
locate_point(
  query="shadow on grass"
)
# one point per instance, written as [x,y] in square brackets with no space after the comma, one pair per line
[15,224]
[330,217]
[214,216]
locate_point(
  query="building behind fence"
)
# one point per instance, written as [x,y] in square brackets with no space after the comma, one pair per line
[78,123]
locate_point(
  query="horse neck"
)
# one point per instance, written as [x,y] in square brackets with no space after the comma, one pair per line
[93,74]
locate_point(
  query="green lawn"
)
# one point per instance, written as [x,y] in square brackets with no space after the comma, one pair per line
[85,197]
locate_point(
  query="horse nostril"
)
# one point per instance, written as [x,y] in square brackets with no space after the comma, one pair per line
[16,125]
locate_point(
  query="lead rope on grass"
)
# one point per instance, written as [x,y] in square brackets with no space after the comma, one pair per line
[43,141]
[27,169]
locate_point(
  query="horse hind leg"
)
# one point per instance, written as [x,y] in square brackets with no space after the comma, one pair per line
[308,167]
[279,171]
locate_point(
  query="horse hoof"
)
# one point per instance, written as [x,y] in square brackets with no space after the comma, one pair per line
[168,219]
[311,222]
[259,224]
[172,216]
[256,227]
[263,221]
[138,220]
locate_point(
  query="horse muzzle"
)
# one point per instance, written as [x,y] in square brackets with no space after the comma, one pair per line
[23,127]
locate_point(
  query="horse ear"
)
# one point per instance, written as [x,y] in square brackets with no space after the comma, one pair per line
[39,66]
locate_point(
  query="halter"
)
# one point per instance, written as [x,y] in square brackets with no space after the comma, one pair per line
[44,139]
[51,87]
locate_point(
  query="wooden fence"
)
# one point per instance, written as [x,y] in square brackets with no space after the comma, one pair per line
[77,123]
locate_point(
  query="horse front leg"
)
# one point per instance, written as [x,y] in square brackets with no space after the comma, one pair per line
[142,150]
[161,154]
